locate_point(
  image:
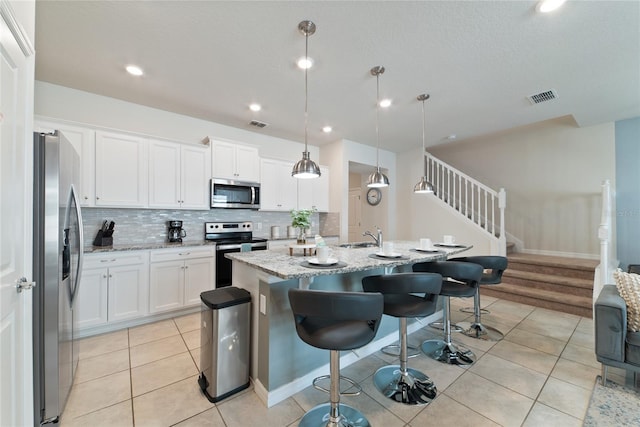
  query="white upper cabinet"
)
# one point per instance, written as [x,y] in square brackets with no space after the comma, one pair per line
[83,140]
[121,170]
[314,193]
[194,179]
[178,175]
[235,161]
[278,189]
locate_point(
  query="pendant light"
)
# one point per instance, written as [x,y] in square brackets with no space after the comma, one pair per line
[423,186]
[306,168]
[377,178]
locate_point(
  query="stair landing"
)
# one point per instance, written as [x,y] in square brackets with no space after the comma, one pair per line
[556,283]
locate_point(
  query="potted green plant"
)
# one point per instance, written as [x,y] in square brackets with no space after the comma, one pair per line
[301,219]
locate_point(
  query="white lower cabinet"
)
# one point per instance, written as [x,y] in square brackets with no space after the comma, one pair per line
[114,287]
[178,276]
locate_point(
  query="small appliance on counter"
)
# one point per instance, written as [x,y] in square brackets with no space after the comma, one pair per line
[176,233]
[104,237]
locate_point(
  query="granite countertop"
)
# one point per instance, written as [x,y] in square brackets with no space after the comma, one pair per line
[145,246]
[280,264]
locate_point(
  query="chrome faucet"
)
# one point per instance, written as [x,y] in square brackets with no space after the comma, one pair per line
[377,239]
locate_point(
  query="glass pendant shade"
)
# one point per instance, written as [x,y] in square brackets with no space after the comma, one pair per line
[305,168]
[378,179]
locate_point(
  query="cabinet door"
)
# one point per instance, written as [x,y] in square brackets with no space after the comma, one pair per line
[164,175]
[128,290]
[121,170]
[224,160]
[83,140]
[166,286]
[195,175]
[247,163]
[91,303]
[278,188]
[198,277]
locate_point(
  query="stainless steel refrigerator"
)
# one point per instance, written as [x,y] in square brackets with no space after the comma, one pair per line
[57,265]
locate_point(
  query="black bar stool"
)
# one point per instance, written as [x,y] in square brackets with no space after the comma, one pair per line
[399,382]
[461,280]
[493,267]
[335,321]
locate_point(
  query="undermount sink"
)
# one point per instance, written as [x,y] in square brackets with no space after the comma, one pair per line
[359,245]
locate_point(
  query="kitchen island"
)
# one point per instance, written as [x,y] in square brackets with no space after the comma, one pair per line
[281,363]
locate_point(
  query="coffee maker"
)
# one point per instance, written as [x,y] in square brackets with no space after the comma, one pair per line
[176,233]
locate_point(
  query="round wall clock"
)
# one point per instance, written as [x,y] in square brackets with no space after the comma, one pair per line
[374,195]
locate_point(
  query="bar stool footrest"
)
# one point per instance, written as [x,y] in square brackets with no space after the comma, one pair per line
[352,384]
[394,350]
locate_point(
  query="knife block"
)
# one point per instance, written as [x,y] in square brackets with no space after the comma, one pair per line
[102,240]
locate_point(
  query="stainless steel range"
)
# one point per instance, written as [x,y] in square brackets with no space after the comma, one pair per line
[231,237]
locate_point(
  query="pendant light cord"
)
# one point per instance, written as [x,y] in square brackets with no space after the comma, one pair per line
[306,89]
[424,165]
[377,118]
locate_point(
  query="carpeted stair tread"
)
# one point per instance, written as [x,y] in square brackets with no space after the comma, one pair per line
[554,261]
[549,278]
[572,304]
[543,294]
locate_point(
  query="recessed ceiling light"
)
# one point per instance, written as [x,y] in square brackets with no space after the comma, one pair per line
[327,129]
[305,62]
[134,70]
[255,107]
[546,6]
[452,137]
[385,103]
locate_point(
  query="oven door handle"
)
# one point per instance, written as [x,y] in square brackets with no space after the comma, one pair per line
[239,246]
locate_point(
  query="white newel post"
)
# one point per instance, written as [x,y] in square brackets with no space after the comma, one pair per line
[502,204]
[604,234]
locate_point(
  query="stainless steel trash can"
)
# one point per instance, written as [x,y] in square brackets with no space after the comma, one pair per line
[225,337]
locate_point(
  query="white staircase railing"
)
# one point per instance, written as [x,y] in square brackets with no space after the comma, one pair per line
[475,201]
[608,257]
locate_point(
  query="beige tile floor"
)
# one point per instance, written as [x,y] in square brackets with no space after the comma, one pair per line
[542,373]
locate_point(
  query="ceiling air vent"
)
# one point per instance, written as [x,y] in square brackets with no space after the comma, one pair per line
[542,97]
[258,124]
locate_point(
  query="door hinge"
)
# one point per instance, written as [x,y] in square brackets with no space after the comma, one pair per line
[23,285]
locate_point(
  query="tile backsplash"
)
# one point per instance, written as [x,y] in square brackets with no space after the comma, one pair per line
[150,225]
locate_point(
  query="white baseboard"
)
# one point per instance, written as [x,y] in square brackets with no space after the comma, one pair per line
[276,396]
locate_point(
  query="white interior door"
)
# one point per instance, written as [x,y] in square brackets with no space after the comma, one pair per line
[355,215]
[16,189]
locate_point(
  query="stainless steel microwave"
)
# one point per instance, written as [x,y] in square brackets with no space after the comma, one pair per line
[229,193]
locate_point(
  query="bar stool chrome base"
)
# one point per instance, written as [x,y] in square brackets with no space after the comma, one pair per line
[481,332]
[411,388]
[357,389]
[320,416]
[394,350]
[440,326]
[448,353]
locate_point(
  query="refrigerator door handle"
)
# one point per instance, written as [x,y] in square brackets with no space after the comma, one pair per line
[75,202]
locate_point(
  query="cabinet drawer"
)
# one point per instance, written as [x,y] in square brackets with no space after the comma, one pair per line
[114,259]
[189,252]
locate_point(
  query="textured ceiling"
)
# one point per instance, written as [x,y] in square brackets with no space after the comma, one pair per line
[478,60]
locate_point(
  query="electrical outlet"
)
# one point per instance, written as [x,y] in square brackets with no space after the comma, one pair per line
[263,304]
[259,225]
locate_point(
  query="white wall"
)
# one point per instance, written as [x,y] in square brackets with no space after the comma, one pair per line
[552,172]
[337,156]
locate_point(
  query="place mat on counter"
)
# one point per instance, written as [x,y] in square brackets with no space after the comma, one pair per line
[450,246]
[386,258]
[429,251]
[338,264]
